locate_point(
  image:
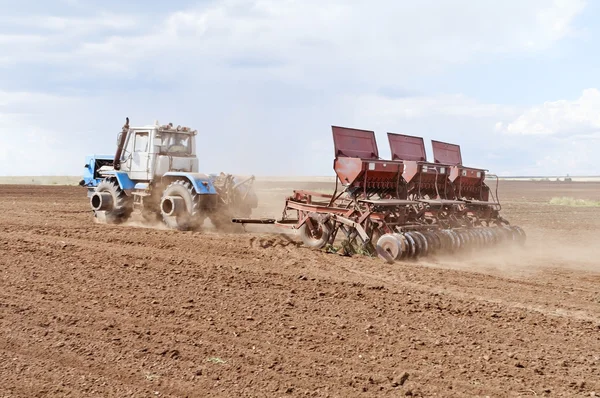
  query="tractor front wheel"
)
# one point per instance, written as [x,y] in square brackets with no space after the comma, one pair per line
[110,203]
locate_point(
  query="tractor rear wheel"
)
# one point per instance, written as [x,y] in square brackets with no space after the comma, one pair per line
[118,207]
[179,206]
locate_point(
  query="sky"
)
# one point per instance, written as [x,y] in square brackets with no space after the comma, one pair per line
[516,83]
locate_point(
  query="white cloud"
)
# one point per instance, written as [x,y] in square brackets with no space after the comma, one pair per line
[557,18]
[368,41]
[72,24]
[375,106]
[40,134]
[560,137]
[52,39]
[563,117]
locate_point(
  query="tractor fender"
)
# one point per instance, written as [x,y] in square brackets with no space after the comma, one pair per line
[123,179]
[201,182]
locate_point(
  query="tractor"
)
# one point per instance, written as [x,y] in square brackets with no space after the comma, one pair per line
[155,171]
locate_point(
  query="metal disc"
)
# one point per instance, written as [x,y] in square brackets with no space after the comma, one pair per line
[416,244]
[493,235]
[452,244]
[498,234]
[411,245]
[479,239]
[424,244]
[522,237]
[388,248]
[442,239]
[486,237]
[472,239]
[459,240]
[446,239]
[403,246]
[463,234]
[510,234]
[433,241]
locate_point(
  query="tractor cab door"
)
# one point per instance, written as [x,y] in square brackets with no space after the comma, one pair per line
[139,159]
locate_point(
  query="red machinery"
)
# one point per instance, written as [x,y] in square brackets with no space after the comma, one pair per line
[400,208]
[468,182]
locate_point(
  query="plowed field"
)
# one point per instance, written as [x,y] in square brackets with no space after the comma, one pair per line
[112,311]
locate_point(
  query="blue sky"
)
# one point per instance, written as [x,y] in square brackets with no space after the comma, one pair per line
[516,83]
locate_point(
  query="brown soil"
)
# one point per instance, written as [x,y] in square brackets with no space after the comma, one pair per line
[114,311]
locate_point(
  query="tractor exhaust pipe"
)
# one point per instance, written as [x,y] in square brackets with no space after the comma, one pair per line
[172,205]
[101,201]
[120,145]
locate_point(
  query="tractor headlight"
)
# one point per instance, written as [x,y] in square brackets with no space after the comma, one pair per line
[479,174]
[442,170]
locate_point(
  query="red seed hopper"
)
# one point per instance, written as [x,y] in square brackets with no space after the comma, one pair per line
[358,166]
[424,180]
[468,182]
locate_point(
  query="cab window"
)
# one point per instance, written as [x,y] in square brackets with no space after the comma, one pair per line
[176,143]
[141,142]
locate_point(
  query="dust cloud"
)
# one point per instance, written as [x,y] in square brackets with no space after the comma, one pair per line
[542,251]
[137,221]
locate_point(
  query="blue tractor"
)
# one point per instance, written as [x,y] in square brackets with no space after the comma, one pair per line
[155,171]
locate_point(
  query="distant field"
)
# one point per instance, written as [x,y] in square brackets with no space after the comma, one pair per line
[554,178]
[41,180]
[74,180]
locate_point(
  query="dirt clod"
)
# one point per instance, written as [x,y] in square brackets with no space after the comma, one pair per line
[400,380]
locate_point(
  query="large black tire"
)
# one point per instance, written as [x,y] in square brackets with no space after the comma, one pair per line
[189,218]
[122,204]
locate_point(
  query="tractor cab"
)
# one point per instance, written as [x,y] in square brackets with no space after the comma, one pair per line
[151,151]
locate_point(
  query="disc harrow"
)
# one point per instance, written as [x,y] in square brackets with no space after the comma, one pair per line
[415,244]
[399,209]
